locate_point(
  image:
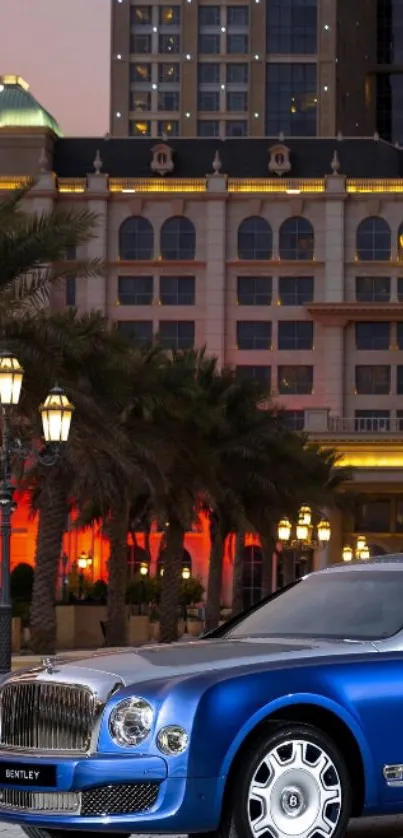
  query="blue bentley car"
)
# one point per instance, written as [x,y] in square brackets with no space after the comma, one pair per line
[284,723]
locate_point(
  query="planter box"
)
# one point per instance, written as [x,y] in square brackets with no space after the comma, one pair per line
[139,630]
[154,632]
[16,635]
[195,627]
[79,626]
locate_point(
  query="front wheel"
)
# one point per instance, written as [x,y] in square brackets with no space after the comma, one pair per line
[294,783]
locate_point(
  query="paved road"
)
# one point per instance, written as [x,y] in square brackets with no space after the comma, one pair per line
[380,828]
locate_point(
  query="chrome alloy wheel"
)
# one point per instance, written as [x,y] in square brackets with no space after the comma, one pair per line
[295,792]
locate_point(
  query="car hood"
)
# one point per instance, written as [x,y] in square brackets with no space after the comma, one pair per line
[105,671]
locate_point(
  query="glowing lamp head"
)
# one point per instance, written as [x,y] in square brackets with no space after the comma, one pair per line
[347,554]
[11,375]
[302,532]
[305,515]
[82,561]
[56,413]
[186,573]
[143,570]
[364,553]
[284,530]
[324,531]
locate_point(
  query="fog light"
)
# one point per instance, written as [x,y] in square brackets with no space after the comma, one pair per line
[172,740]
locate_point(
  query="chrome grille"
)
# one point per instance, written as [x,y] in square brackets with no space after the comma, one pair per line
[48,802]
[46,717]
[119,799]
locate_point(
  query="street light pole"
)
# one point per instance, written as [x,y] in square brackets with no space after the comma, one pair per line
[6,500]
[307,536]
[56,413]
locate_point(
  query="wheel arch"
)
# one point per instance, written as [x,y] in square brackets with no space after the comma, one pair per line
[331,720]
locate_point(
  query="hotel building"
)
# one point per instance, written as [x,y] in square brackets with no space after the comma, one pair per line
[285,259]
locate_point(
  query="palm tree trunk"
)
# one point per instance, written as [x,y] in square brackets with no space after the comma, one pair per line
[171,582]
[49,540]
[116,622]
[268,550]
[237,575]
[213,602]
[147,543]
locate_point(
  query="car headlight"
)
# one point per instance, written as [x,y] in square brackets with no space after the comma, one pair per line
[172,740]
[131,721]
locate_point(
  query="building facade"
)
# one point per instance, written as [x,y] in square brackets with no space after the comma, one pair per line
[285,260]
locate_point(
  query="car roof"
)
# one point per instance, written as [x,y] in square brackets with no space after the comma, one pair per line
[392,561]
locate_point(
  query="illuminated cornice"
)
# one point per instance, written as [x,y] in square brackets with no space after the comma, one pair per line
[373,454]
[287,186]
[329,188]
[374,185]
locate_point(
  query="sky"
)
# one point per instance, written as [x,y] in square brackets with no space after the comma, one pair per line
[61,48]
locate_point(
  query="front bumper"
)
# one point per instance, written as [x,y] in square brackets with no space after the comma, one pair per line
[111,793]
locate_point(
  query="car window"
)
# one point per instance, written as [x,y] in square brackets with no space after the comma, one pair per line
[356,605]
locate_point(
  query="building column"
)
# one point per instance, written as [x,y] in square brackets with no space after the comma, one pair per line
[46,187]
[97,248]
[214,284]
[334,292]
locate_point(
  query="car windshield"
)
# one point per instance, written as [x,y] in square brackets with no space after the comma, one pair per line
[347,605]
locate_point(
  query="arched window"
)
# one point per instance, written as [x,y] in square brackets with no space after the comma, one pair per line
[373,240]
[186,564]
[178,239]
[296,239]
[400,243]
[255,239]
[136,239]
[252,575]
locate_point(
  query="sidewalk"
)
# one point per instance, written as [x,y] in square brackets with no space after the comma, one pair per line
[391,827]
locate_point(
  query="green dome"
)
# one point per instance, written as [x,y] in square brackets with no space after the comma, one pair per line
[19,108]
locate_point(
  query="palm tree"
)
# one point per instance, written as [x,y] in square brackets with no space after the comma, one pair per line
[183,419]
[89,360]
[305,474]
[243,445]
[33,249]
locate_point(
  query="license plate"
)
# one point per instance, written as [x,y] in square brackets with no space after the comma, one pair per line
[25,774]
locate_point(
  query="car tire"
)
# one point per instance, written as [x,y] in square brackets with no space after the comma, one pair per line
[292,783]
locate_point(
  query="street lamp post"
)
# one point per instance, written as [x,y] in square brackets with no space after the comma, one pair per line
[56,413]
[302,535]
[361,550]
[305,535]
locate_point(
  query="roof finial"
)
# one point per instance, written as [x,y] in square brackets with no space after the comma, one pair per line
[376,137]
[43,161]
[340,136]
[98,163]
[335,163]
[281,136]
[217,163]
